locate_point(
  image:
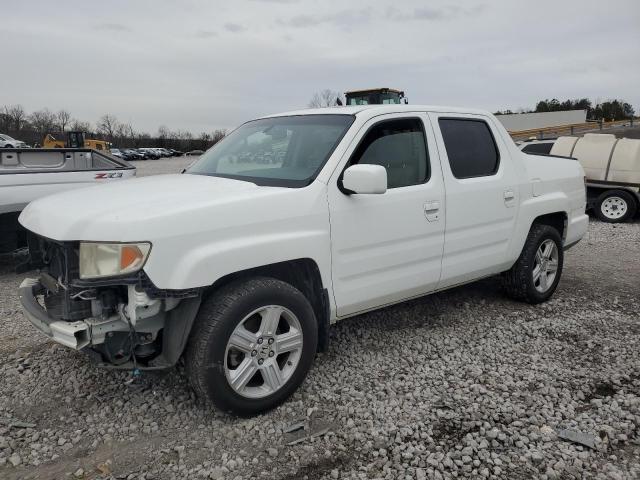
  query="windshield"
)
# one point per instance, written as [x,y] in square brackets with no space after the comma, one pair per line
[279,151]
[374,98]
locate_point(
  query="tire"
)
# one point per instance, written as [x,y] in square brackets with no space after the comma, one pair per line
[615,206]
[236,309]
[520,282]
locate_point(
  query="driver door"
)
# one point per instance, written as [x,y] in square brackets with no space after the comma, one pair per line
[388,247]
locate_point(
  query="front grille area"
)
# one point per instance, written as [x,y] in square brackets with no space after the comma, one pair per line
[67,297]
[59,266]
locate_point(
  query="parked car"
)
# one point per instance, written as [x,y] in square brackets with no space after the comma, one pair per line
[150,153]
[176,153]
[241,268]
[9,142]
[160,152]
[195,152]
[144,154]
[116,152]
[132,154]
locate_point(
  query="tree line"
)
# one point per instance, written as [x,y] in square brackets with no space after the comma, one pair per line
[608,110]
[32,127]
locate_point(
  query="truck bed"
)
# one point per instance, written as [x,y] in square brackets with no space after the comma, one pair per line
[29,174]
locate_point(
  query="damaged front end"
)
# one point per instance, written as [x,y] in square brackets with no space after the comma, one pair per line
[121,321]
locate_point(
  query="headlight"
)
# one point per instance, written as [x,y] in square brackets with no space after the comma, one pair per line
[111,259]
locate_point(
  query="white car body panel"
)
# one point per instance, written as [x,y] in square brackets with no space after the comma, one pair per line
[26,175]
[480,220]
[16,192]
[383,248]
[371,250]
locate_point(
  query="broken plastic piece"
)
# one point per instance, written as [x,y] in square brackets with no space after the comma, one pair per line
[577,437]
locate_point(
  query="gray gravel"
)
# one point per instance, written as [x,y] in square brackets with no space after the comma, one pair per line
[463,383]
[162,165]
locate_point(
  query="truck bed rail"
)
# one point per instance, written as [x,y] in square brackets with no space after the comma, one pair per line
[44,160]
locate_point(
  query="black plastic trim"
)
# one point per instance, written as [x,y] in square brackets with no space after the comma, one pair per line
[607,183]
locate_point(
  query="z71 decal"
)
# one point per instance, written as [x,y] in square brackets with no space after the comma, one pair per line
[100,176]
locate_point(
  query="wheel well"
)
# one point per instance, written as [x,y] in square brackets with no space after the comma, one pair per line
[303,274]
[557,220]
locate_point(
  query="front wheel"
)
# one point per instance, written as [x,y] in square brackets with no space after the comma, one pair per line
[251,346]
[615,206]
[536,274]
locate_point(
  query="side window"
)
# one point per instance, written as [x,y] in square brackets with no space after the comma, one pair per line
[400,147]
[470,147]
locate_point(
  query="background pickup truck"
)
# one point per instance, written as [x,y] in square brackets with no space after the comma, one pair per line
[289,224]
[28,174]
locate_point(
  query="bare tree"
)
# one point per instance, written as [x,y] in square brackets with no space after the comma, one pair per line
[17,116]
[218,135]
[325,98]
[80,126]
[107,126]
[5,120]
[43,121]
[63,117]
[163,134]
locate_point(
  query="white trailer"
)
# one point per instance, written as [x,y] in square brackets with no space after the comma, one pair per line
[612,169]
[29,174]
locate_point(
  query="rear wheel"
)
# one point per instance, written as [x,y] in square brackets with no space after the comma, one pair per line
[252,345]
[536,274]
[615,206]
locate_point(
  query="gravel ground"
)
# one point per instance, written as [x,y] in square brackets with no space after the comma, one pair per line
[162,165]
[463,383]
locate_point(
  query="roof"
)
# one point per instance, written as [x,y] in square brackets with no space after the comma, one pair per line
[383,89]
[374,110]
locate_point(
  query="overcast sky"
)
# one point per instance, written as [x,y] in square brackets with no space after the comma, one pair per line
[199,65]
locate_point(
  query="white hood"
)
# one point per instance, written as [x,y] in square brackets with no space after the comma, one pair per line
[131,210]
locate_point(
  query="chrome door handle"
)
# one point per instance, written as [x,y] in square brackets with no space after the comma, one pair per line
[432,210]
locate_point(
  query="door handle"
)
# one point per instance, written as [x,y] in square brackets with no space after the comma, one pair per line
[432,210]
[509,196]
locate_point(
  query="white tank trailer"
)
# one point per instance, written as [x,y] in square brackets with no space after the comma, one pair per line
[612,167]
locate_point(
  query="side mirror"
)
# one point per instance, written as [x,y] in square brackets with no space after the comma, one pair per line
[365,179]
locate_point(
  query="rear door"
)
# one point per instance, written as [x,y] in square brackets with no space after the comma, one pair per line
[481,200]
[388,247]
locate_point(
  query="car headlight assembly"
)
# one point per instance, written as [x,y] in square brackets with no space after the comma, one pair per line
[99,260]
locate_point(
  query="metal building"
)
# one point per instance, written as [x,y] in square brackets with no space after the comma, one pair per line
[528,121]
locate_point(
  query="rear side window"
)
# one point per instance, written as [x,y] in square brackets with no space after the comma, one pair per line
[470,147]
[400,147]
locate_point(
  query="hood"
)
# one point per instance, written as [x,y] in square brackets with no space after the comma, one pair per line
[141,208]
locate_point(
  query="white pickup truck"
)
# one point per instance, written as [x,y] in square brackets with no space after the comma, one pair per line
[239,265]
[28,174]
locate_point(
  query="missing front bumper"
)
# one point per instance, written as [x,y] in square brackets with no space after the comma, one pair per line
[74,335]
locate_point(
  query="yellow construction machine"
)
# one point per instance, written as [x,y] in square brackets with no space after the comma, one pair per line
[75,140]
